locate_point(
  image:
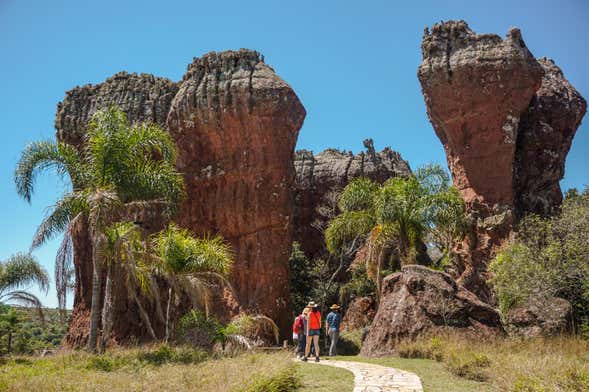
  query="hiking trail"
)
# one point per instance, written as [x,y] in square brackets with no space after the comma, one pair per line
[376,378]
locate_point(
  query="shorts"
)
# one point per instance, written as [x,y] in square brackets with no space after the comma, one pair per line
[314,332]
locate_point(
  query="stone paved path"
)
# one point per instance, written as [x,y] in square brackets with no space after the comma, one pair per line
[376,378]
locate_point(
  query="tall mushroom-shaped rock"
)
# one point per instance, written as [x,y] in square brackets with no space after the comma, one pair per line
[476,88]
[236,124]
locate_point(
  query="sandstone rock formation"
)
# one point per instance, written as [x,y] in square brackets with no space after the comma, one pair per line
[506,122]
[145,98]
[418,301]
[551,317]
[544,138]
[320,177]
[359,313]
[236,124]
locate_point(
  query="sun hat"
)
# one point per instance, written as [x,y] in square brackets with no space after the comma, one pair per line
[334,307]
[312,305]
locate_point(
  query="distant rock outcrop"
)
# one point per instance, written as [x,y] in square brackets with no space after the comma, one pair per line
[236,124]
[320,177]
[506,122]
[418,301]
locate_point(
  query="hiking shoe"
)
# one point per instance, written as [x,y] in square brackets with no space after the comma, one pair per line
[316,359]
[304,359]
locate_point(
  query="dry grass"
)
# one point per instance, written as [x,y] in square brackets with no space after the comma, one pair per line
[543,364]
[128,370]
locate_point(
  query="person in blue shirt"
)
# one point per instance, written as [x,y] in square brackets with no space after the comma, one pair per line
[332,323]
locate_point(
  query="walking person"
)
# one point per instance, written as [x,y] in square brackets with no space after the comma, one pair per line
[313,330]
[299,329]
[332,323]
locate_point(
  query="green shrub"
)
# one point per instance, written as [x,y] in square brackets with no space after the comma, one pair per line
[286,380]
[165,354]
[549,258]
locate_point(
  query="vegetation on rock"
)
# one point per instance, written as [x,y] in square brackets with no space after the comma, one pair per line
[549,258]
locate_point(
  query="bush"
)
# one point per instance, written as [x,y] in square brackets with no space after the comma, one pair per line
[284,381]
[549,258]
[137,359]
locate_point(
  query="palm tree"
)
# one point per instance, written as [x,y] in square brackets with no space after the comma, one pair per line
[18,272]
[398,214]
[120,168]
[189,264]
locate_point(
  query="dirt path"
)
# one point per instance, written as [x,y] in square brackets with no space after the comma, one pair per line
[376,378]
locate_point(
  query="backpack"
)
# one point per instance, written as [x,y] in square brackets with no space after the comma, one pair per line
[298,325]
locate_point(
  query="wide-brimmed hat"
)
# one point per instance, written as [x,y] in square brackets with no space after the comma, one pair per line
[311,305]
[334,307]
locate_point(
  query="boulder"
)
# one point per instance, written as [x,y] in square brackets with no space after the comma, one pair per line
[418,300]
[552,316]
[236,123]
[359,313]
[506,121]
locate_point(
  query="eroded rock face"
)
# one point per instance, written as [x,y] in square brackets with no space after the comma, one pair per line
[418,301]
[544,138]
[359,313]
[144,97]
[550,317]
[236,124]
[320,177]
[506,122]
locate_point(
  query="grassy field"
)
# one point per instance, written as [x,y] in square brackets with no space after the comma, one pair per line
[171,369]
[444,363]
[537,365]
[434,375]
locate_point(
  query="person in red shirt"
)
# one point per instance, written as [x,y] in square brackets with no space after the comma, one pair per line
[313,330]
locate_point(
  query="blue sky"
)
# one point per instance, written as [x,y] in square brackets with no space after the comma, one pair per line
[352,63]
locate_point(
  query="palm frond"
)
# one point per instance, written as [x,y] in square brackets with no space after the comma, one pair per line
[59,216]
[64,269]
[358,195]
[44,155]
[26,299]
[346,227]
[151,141]
[23,269]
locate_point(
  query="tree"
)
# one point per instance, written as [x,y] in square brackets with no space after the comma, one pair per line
[20,271]
[397,216]
[190,264]
[120,167]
